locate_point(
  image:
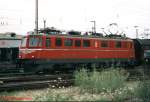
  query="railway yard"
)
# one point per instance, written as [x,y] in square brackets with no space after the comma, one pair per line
[66,73]
[73,67]
[51,66]
[62,87]
[85,50]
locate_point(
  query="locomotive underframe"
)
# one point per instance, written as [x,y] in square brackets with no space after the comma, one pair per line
[36,65]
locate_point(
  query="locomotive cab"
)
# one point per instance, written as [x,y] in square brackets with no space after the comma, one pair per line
[28,44]
[32,41]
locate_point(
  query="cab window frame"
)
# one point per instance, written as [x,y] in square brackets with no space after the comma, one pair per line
[24,42]
[35,41]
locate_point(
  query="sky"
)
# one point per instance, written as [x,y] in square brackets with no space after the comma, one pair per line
[19,15]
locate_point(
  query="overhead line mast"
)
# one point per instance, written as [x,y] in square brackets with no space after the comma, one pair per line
[36,17]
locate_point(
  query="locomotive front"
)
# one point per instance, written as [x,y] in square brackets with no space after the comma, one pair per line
[30,46]
[29,50]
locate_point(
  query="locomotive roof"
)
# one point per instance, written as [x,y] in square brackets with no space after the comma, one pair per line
[85,36]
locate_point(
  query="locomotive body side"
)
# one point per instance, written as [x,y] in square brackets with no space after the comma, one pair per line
[56,49]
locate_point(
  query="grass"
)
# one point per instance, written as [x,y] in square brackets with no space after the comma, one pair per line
[143,91]
[69,94]
[74,94]
[97,82]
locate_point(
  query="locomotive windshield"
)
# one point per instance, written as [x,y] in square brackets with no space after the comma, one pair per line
[23,42]
[35,41]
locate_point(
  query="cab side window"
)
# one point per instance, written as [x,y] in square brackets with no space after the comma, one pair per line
[118,44]
[86,43]
[58,42]
[48,42]
[77,43]
[68,42]
[104,44]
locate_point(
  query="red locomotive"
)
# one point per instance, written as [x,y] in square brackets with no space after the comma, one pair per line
[42,51]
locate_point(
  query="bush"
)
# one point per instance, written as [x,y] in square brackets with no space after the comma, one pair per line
[143,91]
[96,82]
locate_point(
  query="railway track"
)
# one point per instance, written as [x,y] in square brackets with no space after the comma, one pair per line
[14,81]
[11,74]
[139,73]
[35,81]
[8,67]
[12,78]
